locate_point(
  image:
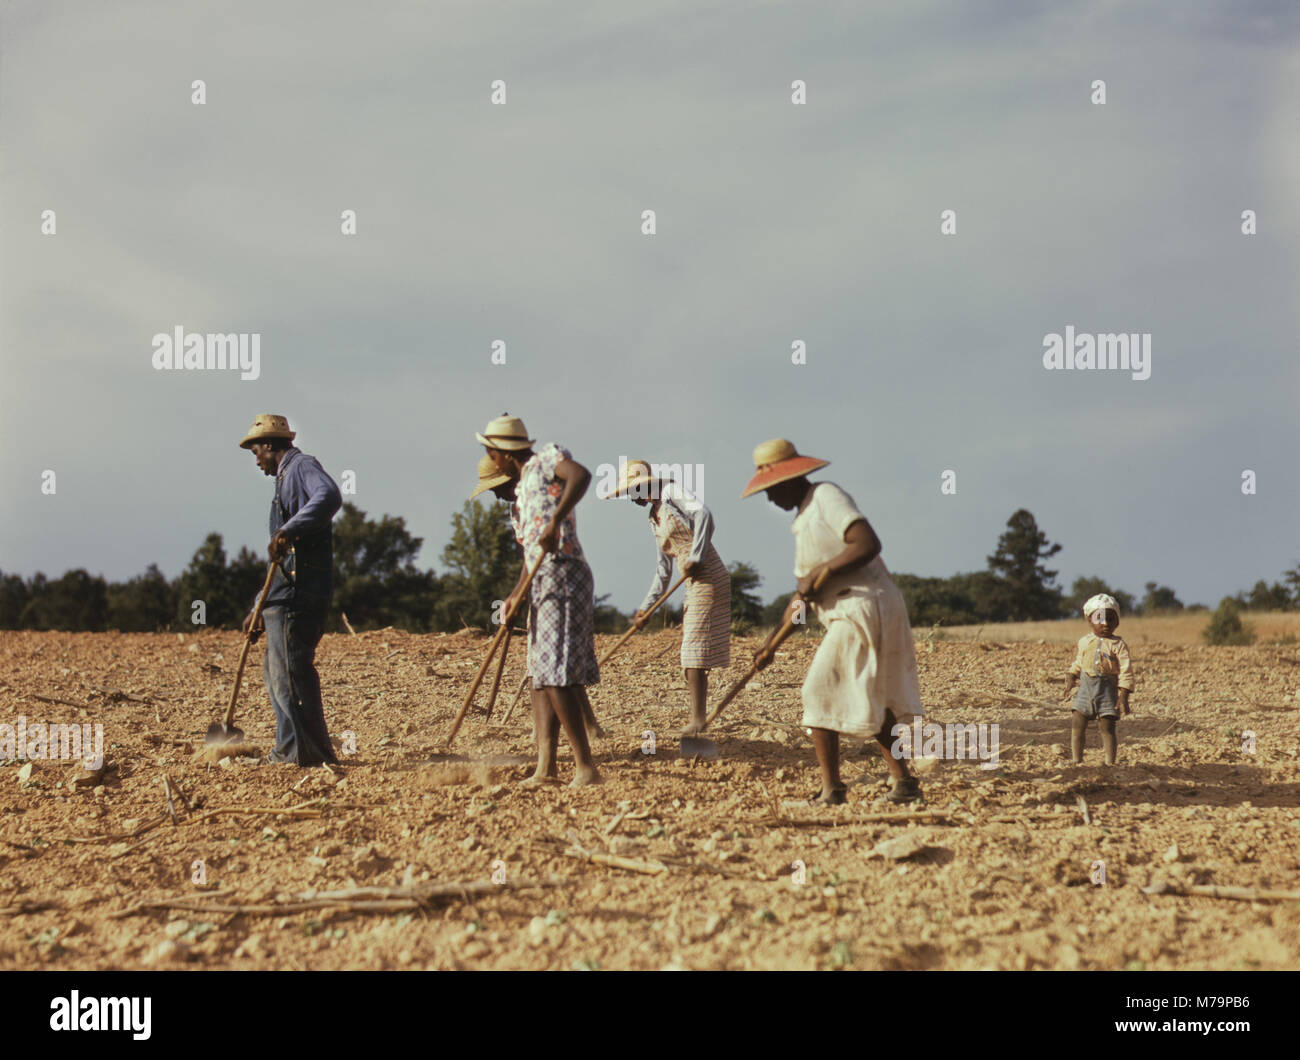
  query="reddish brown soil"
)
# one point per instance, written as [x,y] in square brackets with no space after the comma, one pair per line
[1002,882]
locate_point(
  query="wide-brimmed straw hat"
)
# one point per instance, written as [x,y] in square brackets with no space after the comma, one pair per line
[505,432]
[488,476]
[778,460]
[266,425]
[635,475]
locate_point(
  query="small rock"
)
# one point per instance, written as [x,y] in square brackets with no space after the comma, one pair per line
[176,928]
[251,947]
[898,849]
[1058,749]
[1172,854]
[368,860]
[25,774]
[165,952]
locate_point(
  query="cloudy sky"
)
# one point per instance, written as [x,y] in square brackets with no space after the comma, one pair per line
[775,223]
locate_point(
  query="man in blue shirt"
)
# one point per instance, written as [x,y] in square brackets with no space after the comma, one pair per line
[293,616]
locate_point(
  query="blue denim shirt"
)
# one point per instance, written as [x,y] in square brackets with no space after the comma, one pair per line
[305,501]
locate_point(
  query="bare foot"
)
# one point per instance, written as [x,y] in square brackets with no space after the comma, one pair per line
[538,779]
[584,776]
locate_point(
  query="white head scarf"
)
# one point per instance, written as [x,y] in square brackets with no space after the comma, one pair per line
[1100,602]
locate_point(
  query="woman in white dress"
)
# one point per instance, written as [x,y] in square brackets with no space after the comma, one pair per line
[863,679]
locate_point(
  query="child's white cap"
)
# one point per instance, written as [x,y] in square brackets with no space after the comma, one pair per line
[1100,602]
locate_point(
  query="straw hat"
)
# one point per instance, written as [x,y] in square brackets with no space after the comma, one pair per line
[506,432]
[267,425]
[488,476]
[778,460]
[634,475]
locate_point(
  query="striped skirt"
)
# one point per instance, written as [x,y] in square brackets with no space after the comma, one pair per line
[706,626]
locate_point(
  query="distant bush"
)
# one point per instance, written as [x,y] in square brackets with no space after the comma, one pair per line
[1226,626]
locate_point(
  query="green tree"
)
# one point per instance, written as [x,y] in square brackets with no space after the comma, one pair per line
[1025,592]
[1292,579]
[76,602]
[963,599]
[774,612]
[246,574]
[746,607]
[482,560]
[376,582]
[609,619]
[144,604]
[1265,597]
[13,600]
[1159,598]
[208,579]
[1226,626]
[1085,588]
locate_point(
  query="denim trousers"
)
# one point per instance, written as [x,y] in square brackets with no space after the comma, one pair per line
[294,685]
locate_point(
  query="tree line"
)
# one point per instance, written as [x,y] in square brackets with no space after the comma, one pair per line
[377,584]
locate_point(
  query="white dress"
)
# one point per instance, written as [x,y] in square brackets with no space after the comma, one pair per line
[866,663]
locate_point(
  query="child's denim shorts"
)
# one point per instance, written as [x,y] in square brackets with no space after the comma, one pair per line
[1097,696]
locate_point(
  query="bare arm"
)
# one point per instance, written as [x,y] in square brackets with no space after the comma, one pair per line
[576,478]
[861,546]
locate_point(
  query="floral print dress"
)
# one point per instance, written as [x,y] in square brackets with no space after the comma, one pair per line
[561,647]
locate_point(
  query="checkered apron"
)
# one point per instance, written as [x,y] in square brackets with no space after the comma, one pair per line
[561,647]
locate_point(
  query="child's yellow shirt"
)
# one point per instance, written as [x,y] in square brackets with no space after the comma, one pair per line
[1102,657]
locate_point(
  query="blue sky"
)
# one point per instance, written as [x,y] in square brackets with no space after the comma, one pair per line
[775,223]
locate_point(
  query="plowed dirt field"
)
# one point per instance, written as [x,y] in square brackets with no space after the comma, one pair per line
[1002,875]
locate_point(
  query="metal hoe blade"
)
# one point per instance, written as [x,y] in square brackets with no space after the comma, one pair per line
[698,747]
[219,733]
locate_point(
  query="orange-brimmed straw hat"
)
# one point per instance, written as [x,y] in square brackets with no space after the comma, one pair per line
[634,476]
[778,460]
[488,476]
[505,432]
[266,425]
